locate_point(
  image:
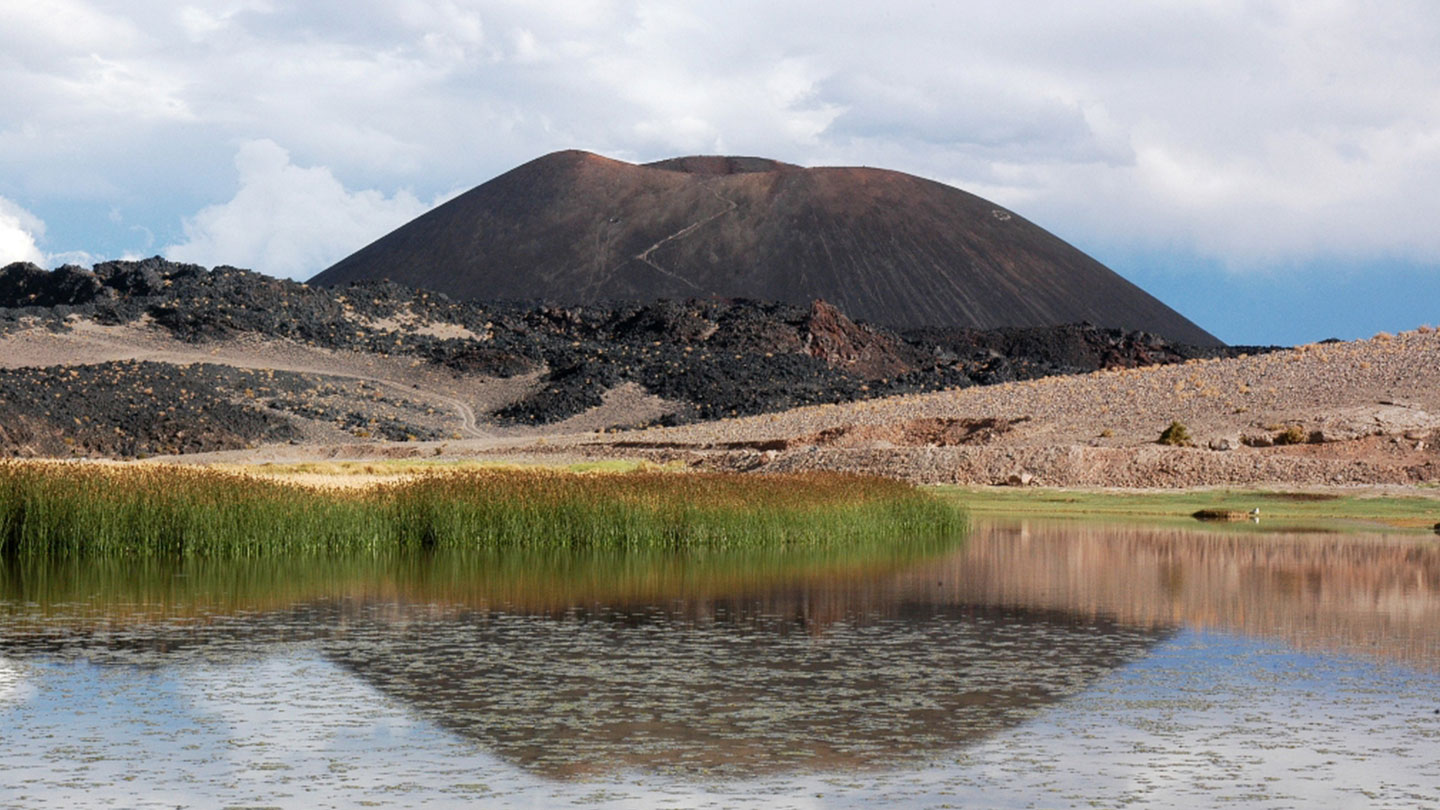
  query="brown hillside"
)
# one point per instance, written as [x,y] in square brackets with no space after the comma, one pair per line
[883,246]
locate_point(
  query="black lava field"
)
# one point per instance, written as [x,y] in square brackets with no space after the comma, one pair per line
[711,358]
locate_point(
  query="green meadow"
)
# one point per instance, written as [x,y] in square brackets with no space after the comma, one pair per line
[1291,508]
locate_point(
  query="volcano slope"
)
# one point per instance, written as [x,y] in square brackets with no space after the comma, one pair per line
[882,246]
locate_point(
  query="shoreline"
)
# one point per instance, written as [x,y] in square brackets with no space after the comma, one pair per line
[1409,507]
[1391,509]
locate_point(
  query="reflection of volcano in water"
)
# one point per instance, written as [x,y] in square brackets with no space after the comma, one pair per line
[735,694]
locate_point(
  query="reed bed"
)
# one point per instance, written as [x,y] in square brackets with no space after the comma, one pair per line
[71,509]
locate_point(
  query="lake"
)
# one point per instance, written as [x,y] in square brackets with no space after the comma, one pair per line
[1029,664]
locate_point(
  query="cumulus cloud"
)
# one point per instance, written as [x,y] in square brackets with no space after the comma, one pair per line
[288,220]
[19,230]
[1256,133]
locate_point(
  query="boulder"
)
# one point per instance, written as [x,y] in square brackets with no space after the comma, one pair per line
[21,285]
[132,278]
[24,285]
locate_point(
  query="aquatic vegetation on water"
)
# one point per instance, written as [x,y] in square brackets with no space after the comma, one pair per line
[63,509]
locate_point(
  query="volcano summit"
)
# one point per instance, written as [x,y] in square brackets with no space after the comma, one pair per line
[577,228]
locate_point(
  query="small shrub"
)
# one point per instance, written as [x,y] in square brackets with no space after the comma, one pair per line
[1106,433]
[1177,435]
[1292,435]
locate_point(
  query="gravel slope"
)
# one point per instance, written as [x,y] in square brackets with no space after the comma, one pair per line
[1367,411]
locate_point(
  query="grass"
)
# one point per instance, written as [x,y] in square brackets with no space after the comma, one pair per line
[71,509]
[400,467]
[1275,507]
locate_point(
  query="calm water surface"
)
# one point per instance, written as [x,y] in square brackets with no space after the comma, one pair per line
[1036,665]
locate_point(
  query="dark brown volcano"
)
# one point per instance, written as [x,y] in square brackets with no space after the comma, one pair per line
[883,246]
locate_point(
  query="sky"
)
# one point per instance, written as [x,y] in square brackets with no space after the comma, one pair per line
[1269,168]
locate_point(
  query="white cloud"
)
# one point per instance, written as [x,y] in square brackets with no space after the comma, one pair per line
[19,230]
[1254,132]
[49,32]
[288,220]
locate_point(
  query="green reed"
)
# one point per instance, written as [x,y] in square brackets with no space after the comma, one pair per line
[67,509]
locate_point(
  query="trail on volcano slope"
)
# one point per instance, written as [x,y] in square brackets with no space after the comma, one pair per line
[645,254]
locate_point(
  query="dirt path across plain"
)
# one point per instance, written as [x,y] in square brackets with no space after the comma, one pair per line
[88,342]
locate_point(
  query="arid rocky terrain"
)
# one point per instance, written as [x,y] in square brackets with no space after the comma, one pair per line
[153,359]
[1334,414]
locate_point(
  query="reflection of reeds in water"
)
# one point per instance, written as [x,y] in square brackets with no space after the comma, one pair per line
[77,592]
[50,510]
[1370,595]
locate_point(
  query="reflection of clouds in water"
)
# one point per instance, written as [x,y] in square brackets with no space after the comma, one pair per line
[287,704]
[215,734]
[1207,720]
[286,730]
[81,733]
[13,685]
[1215,720]
[299,725]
